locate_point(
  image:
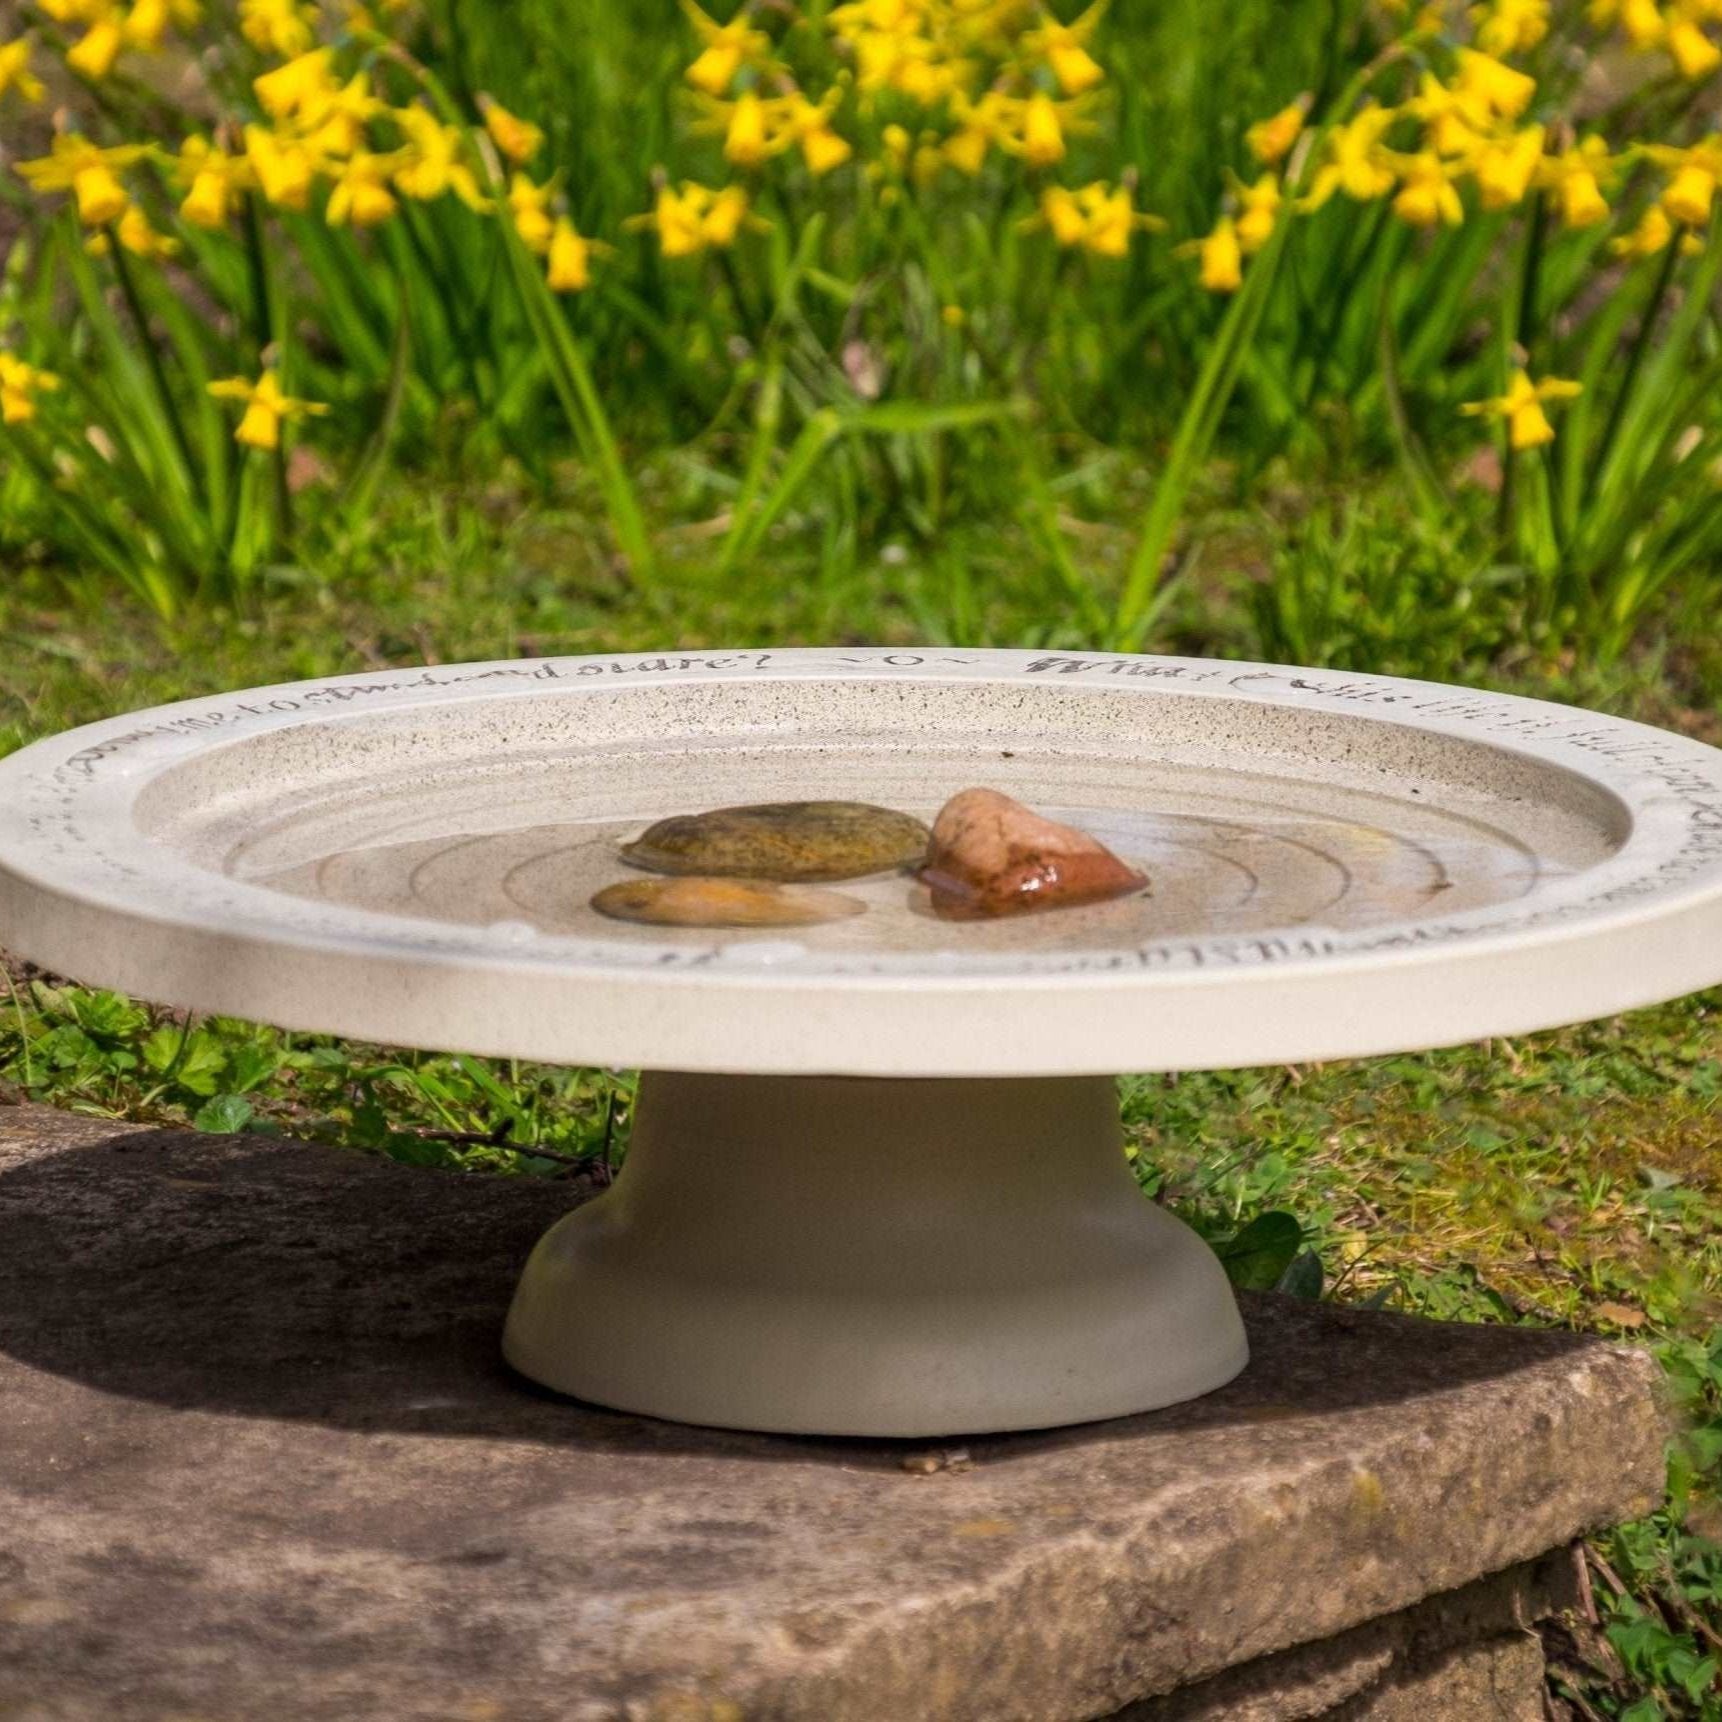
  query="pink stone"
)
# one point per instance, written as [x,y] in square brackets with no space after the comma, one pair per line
[992,856]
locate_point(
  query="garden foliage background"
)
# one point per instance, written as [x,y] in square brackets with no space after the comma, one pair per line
[1334,331]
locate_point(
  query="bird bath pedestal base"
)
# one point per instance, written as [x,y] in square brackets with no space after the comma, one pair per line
[844,1255]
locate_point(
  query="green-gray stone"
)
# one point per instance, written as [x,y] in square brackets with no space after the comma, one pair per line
[783,840]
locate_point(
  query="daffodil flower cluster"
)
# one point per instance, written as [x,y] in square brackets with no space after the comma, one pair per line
[1100,217]
[986,80]
[323,124]
[20,384]
[1465,128]
[105,29]
[1677,29]
[322,138]
[1469,125]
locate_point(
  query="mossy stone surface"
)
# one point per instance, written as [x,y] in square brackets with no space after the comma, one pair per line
[783,841]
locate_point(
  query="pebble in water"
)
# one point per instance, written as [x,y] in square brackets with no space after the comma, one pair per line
[992,856]
[704,902]
[783,840]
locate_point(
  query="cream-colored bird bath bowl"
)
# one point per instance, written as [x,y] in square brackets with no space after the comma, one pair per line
[875,1184]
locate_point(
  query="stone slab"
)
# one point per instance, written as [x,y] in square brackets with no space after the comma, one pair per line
[1472,1655]
[261,1460]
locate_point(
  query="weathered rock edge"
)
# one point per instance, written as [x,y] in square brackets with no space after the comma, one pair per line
[260,1459]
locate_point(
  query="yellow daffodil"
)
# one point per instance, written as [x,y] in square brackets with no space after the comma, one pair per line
[568,266]
[1503,91]
[1677,28]
[1642,23]
[1041,142]
[1426,192]
[1510,26]
[137,235]
[361,194]
[518,139]
[110,28]
[823,149]
[1258,211]
[434,160]
[284,168]
[980,126]
[724,215]
[1270,140]
[15,73]
[1522,407]
[691,217]
[1693,175]
[529,209]
[1690,193]
[1220,259]
[334,123]
[281,27]
[19,386]
[1653,232]
[752,134]
[212,179]
[266,408]
[89,172]
[1694,54]
[922,50]
[1064,47]
[1505,166]
[141,237]
[809,123]
[1577,177]
[1356,162]
[930,78]
[726,48]
[146,24]
[1063,215]
[1098,217]
[1452,118]
[92,56]
[302,83]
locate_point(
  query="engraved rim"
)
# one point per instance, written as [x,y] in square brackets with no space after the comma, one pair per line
[84,891]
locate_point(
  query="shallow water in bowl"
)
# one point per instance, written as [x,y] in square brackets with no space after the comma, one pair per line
[515,847]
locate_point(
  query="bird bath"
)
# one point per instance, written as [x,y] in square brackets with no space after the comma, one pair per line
[875,1184]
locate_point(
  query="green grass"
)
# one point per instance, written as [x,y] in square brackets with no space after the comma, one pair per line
[1568,1179]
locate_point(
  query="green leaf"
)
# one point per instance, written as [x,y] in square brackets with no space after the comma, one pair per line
[1303,1278]
[580,402]
[917,418]
[162,1048]
[225,1115]
[1197,428]
[202,1064]
[1256,1258]
[107,1015]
